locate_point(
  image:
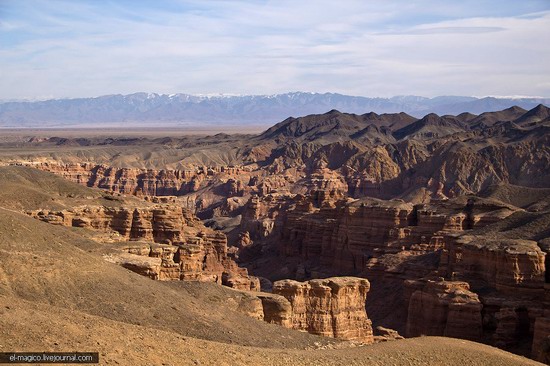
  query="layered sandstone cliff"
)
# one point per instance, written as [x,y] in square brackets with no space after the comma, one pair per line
[162,223]
[505,282]
[492,286]
[510,266]
[541,338]
[333,307]
[347,237]
[147,182]
[541,342]
[445,308]
[177,245]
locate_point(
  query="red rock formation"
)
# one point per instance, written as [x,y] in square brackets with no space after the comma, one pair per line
[326,187]
[244,240]
[445,308]
[191,261]
[194,252]
[276,309]
[333,307]
[385,334]
[346,237]
[392,241]
[147,182]
[240,280]
[260,215]
[145,266]
[512,267]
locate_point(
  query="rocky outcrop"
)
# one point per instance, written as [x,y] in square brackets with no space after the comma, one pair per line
[346,237]
[514,267]
[143,265]
[383,334]
[148,182]
[444,308]
[276,309]
[161,223]
[179,246]
[188,261]
[325,186]
[240,280]
[333,307]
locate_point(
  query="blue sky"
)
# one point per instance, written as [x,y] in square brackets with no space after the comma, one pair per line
[59,48]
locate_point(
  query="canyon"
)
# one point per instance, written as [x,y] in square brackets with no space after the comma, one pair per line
[442,220]
[437,266]
[274,183]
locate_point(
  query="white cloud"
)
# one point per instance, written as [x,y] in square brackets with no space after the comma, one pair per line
[66,48]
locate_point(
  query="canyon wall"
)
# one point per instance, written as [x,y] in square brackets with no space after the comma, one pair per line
[511,266]
[419,258]
[445,308]
[143,182]
[333,307]
[350,237]
[164,242]
[541,339]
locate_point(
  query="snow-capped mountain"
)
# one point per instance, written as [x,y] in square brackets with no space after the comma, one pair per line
[175,109]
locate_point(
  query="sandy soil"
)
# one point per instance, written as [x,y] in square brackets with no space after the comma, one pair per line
[27,326]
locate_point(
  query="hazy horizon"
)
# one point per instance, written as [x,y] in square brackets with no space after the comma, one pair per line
[227,95]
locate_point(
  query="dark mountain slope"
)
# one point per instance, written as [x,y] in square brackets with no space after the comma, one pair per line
[431,126]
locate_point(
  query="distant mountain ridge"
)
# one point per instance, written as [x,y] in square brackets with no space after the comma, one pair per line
[142,109]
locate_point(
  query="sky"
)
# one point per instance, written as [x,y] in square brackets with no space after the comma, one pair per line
[382,48]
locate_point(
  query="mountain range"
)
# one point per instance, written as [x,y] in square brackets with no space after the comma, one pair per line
[142,109]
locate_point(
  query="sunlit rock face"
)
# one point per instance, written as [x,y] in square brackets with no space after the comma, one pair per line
[333,307]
